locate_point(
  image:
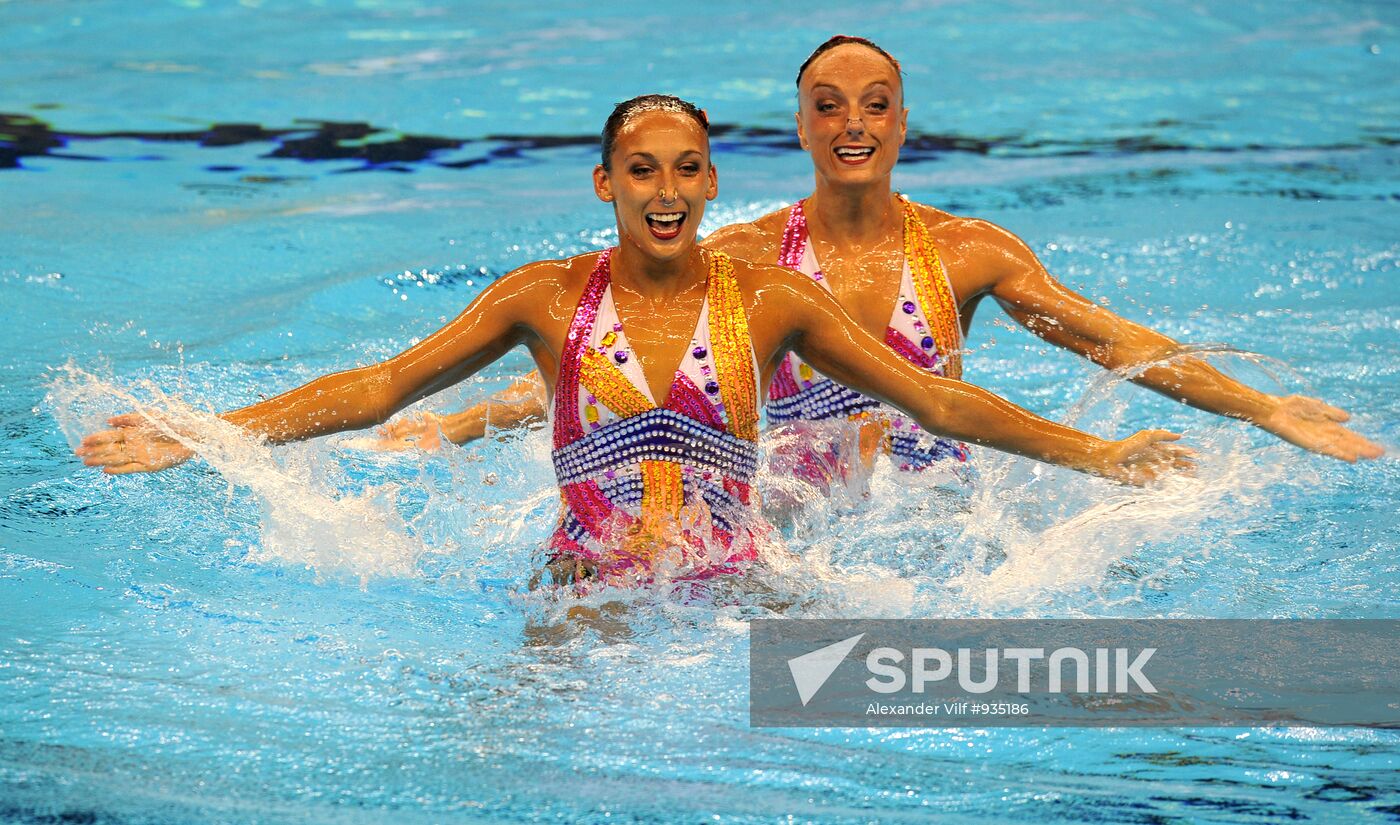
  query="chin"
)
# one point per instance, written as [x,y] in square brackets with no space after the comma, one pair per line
[864,174]
[663,250]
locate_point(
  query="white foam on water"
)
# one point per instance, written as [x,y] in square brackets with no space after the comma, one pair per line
[305,521]
[1028,539]
[1108,525]
[1017,538]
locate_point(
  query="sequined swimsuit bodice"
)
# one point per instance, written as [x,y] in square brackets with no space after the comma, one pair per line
[634,475]
[924,329]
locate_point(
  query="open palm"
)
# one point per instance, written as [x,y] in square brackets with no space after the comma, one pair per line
[133,445]
[1316,426]
[1147,456]
[422,432]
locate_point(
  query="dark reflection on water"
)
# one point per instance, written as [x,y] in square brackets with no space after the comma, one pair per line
[378,149]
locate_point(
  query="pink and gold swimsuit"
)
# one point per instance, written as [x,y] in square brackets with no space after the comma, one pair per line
[923,328]
[644,486]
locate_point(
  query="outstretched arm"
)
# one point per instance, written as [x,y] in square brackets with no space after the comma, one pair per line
[493,324]
[823,334]
[520,405]
[1046,307]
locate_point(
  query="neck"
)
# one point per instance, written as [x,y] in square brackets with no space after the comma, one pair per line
[852,213]
[652,278]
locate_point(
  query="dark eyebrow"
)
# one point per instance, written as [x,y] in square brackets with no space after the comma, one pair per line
[827,86]
[650,158]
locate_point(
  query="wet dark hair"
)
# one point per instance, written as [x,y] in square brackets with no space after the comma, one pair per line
[841,40]
[628,109]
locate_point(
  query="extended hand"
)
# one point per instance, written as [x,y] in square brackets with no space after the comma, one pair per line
[423,432]
[1145,456]
[133,446]
[1313,425]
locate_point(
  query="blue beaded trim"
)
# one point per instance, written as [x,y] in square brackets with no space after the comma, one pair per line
[625,491]
[655,435]
[919,452]
[824,399]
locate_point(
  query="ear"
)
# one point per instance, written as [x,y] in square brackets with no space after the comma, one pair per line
[801,135]
[712,191]
[602,184]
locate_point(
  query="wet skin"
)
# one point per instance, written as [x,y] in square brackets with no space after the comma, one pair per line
[852,97]
[852,121]
[660,163]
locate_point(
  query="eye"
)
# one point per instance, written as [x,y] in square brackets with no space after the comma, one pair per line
[640,171]
[826,107]
[690,169]
[878,106]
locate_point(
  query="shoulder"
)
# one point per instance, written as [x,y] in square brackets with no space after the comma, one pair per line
[769,283]
[527,291]
[947,228]
[973,238]
[756,240]
[552,274]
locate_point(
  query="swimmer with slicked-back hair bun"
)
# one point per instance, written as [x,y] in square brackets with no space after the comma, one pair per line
[913,276]
[655,354]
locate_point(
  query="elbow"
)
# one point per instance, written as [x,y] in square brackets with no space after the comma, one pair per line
[940,415]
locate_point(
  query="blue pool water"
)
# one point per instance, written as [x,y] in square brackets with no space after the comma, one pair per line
[203,201]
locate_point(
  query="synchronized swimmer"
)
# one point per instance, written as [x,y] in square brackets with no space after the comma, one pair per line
[656,353]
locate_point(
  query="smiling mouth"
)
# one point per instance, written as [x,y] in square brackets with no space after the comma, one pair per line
[854,155]
[665,225]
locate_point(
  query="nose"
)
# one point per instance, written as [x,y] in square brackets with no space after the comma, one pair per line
[670,190]
[855,126]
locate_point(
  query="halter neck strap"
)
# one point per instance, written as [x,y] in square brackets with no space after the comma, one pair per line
[567,427]
[794,242]
[935,293]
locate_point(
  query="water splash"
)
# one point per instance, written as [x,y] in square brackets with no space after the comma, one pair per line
[305,520]
[1027,539]
[1019,538]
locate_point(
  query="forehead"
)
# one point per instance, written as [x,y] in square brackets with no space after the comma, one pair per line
[658,131]
[850,65]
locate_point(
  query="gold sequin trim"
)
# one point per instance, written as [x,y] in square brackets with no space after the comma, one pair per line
[934,292]
[610,386]
[662,491]
[729,340]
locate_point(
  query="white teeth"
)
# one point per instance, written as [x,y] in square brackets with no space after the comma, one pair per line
[853,153]
[665,217]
